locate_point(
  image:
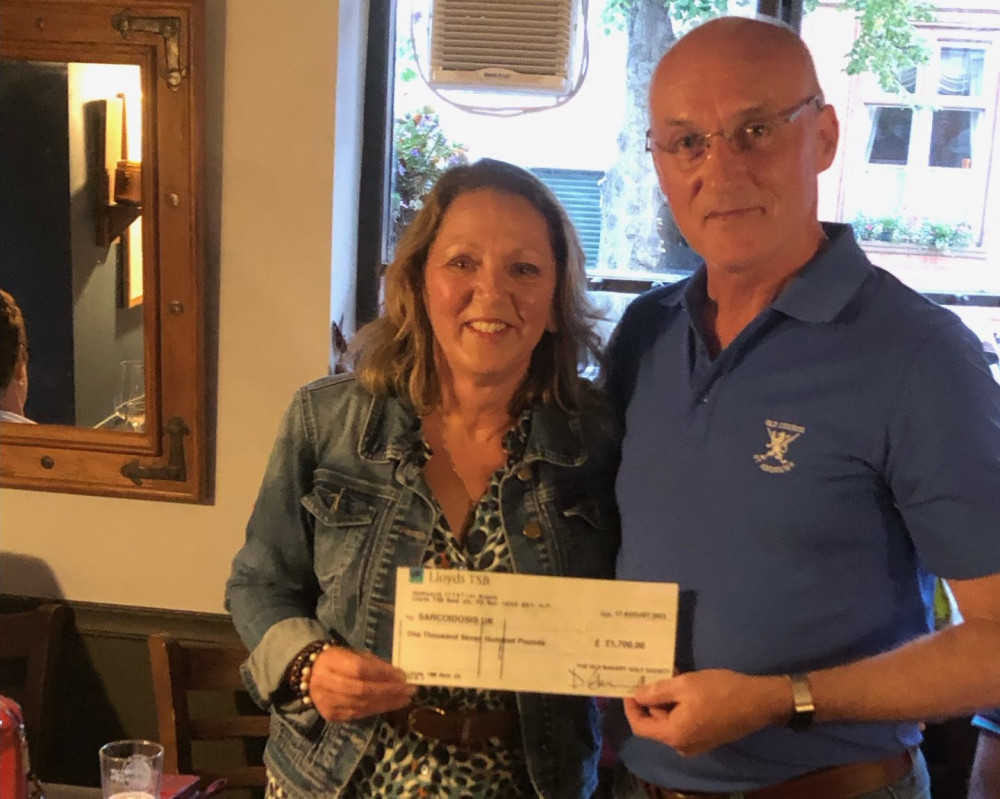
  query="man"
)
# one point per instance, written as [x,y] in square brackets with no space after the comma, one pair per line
[803,436]
[985,781]
[13,361]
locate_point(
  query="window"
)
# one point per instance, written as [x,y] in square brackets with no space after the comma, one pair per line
[913,174]
[571,147]
[959,74]
[890,137]
[927,155]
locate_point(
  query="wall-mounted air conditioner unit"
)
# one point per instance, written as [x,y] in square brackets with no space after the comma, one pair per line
[514,45]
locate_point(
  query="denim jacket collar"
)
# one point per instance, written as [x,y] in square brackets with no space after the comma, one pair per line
[389,433]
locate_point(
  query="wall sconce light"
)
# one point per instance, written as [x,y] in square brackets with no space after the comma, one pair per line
[128,183]
[119,181]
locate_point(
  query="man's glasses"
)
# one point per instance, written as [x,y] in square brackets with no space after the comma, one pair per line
[688,146]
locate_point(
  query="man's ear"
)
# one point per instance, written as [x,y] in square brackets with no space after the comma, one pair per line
[827,137]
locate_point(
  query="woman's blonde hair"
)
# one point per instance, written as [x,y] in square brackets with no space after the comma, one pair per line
[395,353]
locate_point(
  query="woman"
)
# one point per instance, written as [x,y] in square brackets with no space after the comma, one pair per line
[464,440]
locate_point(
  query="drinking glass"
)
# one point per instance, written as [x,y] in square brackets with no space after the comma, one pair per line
[131,769]
[130,395]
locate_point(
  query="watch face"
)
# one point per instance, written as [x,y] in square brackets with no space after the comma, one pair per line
[802,716]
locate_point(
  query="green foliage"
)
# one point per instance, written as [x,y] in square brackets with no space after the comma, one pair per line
[406,58]
[943,236]
[924,233]
[697,10]
[879,228]
[943,616]
[888,42]
[422,152]
[617,12]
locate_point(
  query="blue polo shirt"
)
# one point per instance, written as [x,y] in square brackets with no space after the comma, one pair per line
[794,486]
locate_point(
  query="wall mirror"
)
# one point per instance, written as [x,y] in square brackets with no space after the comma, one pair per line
[100,244]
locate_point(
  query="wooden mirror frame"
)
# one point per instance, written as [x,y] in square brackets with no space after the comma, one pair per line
[169,460]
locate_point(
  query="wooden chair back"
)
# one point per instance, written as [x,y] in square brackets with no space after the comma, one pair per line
[29,651]
[180,668]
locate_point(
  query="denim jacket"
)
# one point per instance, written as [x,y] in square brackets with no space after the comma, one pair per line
[343,503]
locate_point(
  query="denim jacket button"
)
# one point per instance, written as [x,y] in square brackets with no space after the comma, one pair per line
[533,530]
[524,472]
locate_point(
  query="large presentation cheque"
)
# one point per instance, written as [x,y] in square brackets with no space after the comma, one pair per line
[519,632]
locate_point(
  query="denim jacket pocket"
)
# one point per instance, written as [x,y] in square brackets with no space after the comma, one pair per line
[345,506]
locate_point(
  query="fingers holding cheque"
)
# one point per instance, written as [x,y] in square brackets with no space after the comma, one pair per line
[346,685]
[698,711]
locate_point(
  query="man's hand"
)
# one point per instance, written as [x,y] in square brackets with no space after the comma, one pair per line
[346,685]
[698,711]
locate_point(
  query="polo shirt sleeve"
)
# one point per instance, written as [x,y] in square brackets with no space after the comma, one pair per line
[943,451]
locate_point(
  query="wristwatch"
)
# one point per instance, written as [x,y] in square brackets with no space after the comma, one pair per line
[802,715]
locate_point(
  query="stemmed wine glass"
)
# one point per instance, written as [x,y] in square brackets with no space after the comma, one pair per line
[130,395]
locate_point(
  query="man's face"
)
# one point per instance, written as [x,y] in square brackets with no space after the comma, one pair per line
[746,202]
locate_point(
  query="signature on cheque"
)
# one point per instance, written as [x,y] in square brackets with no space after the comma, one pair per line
[593,678]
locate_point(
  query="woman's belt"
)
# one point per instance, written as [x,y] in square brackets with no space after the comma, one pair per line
[458,727]
[836,782]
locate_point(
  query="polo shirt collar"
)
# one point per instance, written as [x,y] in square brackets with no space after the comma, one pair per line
[827,283]
[818,293]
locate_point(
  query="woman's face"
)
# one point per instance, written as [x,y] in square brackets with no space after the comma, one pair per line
[489,287]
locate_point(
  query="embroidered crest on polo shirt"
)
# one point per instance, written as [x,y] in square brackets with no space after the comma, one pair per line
[780,435]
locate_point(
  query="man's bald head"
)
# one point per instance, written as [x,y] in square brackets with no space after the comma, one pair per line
[727,42]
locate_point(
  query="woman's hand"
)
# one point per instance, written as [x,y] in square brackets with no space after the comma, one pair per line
[345,685]
[700,710]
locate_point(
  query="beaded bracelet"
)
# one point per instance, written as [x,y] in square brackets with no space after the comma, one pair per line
[300,670]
